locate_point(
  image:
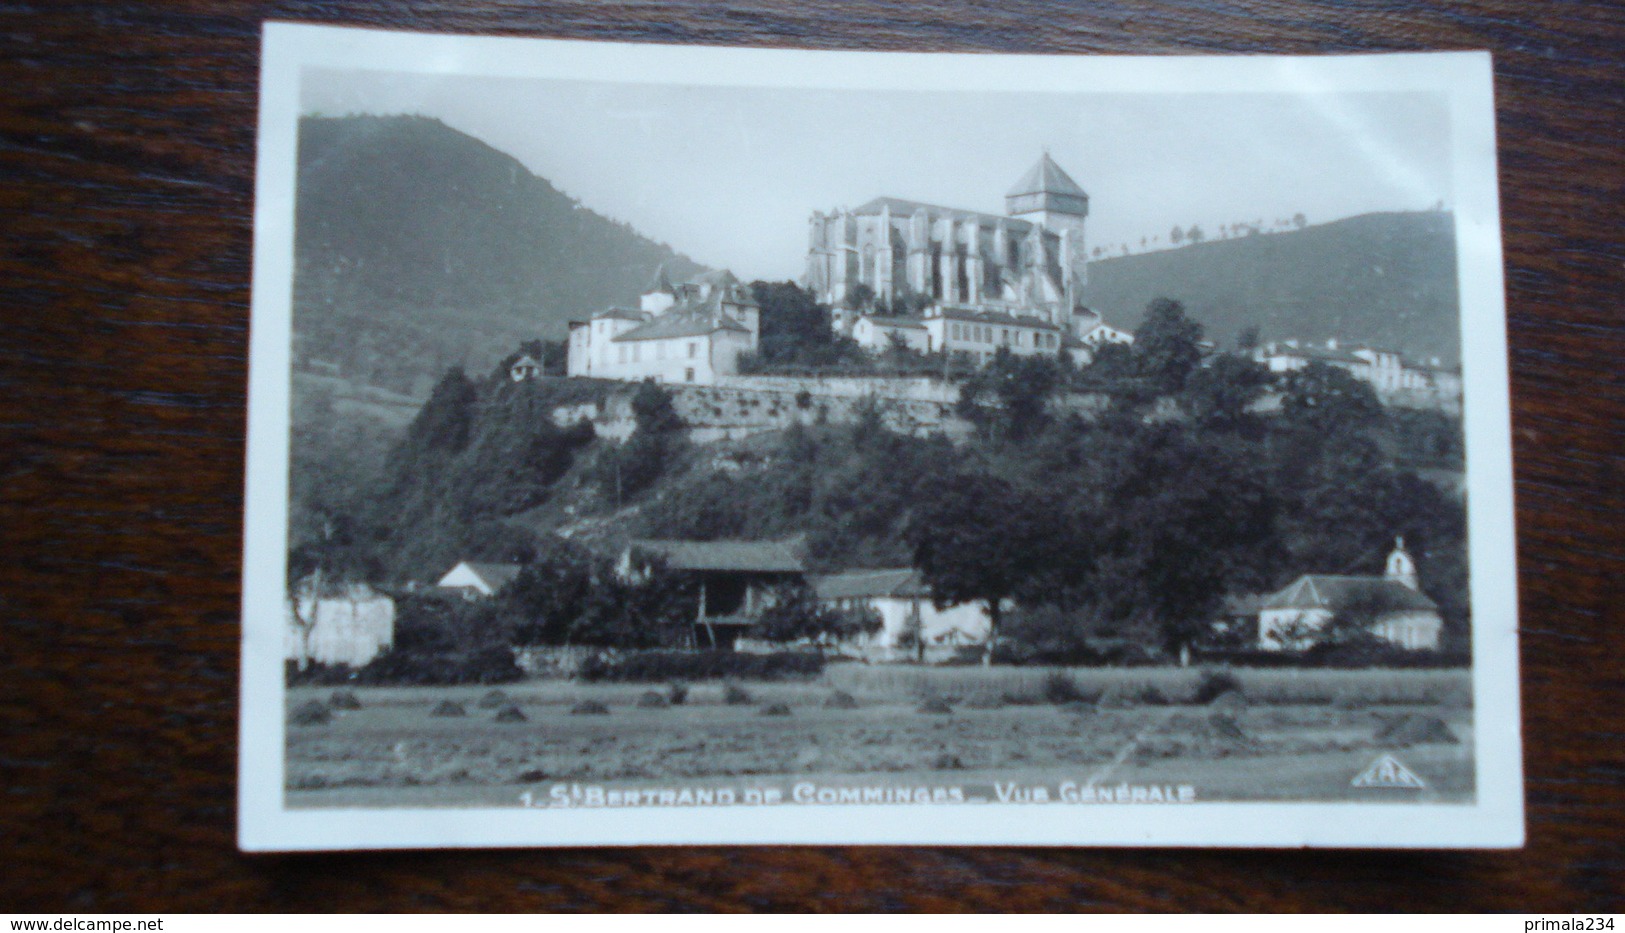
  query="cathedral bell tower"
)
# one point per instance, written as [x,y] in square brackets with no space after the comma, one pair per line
[1048,197]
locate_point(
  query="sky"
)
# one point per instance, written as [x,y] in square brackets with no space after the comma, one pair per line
[729,175]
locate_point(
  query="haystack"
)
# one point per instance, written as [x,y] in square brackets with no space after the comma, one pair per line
[735,695]
[1415,729]
[344,699]
[840,699]
[448,708]
[936,706]
[589,708]
[776,709]
[1229,699]
[1225,727]
[510,713]
[312,713]
[493,700]
[652,700]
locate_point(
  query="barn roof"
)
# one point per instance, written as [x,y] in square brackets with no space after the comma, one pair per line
[740,556]
[902,582]
[1326,591]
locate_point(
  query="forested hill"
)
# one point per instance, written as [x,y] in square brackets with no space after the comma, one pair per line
[420,247]
[1388,279]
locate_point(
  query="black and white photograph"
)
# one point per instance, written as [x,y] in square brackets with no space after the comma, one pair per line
[659,445]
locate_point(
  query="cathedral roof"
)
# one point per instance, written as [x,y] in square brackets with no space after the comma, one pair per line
[903,209]
[1045,177]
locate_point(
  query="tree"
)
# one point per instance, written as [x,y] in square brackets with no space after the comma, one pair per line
[1248,338]
[1022,386]
[1328,400]
[1166,345]
[656,439]
[1221,394]
[977,539]
[859,297]
[1300,221]
[1176,236]
[1194,234]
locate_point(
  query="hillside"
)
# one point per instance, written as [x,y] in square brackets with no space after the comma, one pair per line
[419,247]
[1388,279]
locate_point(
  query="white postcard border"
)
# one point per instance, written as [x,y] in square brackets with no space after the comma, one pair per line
[1493,820]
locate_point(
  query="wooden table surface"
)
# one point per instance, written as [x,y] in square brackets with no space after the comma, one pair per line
[126,180]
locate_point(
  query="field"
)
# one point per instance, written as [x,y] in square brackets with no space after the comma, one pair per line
[1285,735]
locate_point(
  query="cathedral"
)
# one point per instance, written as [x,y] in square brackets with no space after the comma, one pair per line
[1029,263]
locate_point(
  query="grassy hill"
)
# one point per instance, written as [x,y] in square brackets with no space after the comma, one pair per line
[1388,279]
[419,247]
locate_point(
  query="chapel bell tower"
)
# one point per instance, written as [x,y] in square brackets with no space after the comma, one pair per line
[1401,569]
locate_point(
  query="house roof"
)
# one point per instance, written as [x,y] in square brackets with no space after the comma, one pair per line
[677,323]
[858,584]
[1045,177]
[748,556]
[496,576]
[996,317]
[625,314]
[1326,591]
[659,282]
[884,321]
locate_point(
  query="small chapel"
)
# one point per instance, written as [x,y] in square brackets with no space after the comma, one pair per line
[1393,606]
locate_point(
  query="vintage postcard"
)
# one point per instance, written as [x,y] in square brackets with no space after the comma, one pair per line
[658,444]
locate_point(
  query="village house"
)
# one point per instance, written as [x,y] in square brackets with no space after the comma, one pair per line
[1386,371]
[912,627]
[692,332]
[878,333]
[1393,606]
[347,624]
[474,580]
[735,580]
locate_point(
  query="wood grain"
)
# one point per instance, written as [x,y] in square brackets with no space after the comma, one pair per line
[126,165]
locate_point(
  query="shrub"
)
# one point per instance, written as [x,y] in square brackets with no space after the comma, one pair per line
[677,693]
[1060,688]
[735,695]
[1214,684]
[661,666]
[492,664]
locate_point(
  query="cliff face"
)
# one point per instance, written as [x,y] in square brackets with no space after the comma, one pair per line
[419,247]
[1386,279]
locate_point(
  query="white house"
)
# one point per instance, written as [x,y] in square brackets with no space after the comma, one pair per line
[1400,613]
[877,333]
[693,332]
[1387,371]
[474,579]
[980,334]
[911,626]
[347,625]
